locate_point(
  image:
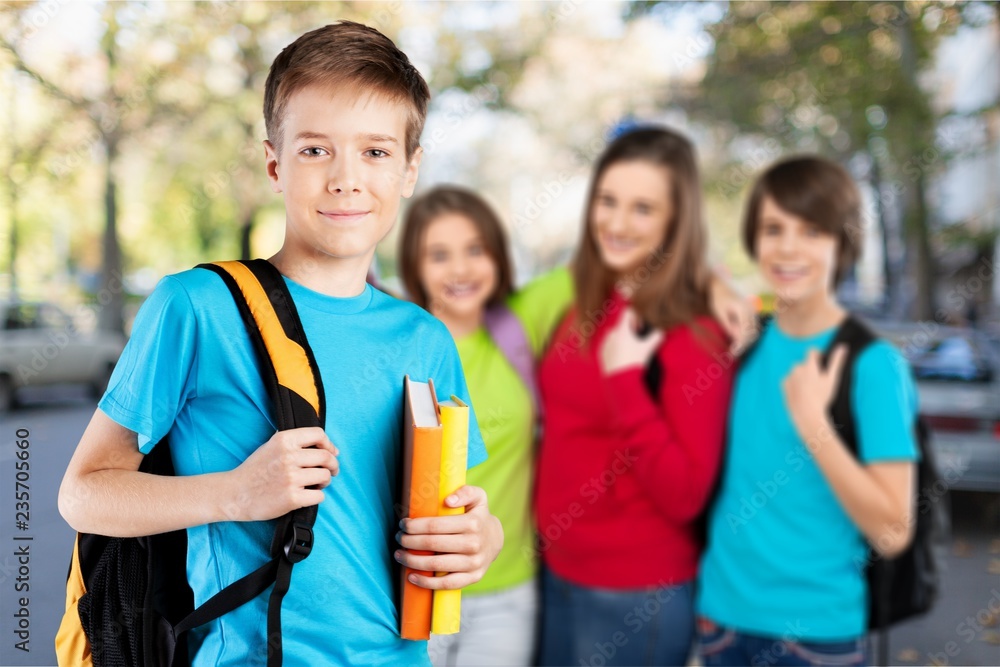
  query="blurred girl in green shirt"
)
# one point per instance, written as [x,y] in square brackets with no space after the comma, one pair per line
[455,263]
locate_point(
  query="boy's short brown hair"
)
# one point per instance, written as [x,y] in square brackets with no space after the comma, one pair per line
[345,53]
[814,189]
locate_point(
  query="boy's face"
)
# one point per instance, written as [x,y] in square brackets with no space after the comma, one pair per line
[798,259]
[342,169]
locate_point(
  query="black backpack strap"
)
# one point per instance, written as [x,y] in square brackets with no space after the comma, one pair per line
[762,321]
[295,387]
[856,336]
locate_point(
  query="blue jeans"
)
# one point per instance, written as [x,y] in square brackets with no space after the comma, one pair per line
[720,646]
[597,627]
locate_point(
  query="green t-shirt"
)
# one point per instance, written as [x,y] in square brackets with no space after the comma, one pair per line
[506,420]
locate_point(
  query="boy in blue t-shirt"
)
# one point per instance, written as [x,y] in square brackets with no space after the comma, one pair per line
[344,109]
[780,582]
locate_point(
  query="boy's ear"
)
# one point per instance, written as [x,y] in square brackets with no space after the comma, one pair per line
[271,165]
[412,169]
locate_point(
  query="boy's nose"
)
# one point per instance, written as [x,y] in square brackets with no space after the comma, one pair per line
[788,243]
[344,178]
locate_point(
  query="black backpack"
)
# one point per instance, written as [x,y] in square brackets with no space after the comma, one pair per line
[906,586]
[128,600]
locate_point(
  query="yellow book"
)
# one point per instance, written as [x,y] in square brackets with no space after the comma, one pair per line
[447,611]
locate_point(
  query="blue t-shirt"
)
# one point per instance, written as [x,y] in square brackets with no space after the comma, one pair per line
[783,556]
[189,369]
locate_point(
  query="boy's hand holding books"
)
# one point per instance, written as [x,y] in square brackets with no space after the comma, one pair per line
[287,472]
[465,544]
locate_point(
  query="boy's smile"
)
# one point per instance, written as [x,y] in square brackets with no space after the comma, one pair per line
[342,168]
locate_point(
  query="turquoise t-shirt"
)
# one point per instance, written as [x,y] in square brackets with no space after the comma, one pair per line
[189,369]
[783,555]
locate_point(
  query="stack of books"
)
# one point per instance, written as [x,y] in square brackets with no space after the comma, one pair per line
[435,454]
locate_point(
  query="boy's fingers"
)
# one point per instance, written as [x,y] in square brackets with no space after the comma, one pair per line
[467,496]
[319,477]
[317,458]
[446,583]
[308,497]
[837,360]
[439,525]
[435,562]
[309,436]
[442,544]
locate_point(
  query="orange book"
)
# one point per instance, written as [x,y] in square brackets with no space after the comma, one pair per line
[419,498]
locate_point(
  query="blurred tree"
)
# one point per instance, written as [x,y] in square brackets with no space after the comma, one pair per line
[117,88]
[26,149]
[840,78]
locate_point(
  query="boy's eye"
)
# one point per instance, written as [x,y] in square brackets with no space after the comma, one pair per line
[313,151]
[377,153]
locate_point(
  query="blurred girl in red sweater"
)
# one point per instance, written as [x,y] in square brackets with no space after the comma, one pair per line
[635,387]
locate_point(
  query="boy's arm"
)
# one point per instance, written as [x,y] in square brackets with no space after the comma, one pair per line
[878,496]
[733,311]
[103,492]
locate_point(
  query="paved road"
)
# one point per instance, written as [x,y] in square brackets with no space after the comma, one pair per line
[962,629]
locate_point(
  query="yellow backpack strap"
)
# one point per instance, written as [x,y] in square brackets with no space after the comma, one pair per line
[287,362]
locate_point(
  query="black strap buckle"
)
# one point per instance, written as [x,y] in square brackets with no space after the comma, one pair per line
[299,543]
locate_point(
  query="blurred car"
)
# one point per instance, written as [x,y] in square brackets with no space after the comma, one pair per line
[41,346]
[958,378]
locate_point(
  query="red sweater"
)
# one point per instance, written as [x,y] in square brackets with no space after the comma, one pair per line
[621,476]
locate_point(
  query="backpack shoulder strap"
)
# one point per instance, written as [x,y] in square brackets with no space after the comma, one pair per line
[762,321]
[287,362]
[510,337]
[295,387]
[857,336]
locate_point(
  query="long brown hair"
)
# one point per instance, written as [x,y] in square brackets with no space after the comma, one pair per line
[427,208]
[672,285]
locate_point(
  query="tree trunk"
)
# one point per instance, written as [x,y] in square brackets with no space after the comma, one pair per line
[924,266]
[888,276]
[14,240]
[246,230]
[111,292]
[916,225]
